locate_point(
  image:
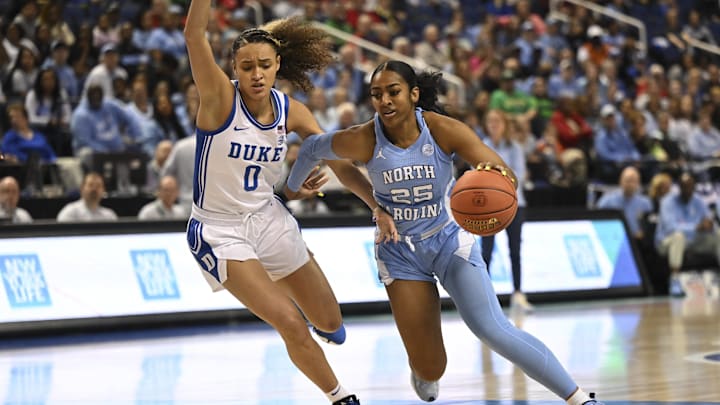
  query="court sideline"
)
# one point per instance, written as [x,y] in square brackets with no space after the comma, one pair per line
[632,351]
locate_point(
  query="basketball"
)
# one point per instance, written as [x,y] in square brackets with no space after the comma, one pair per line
[483,201]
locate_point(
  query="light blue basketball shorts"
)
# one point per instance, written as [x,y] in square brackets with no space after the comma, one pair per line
[427,259]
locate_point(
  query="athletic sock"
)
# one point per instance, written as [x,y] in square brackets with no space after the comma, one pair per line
[337,394]
[579,397]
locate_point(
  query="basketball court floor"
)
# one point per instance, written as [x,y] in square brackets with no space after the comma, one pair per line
[630,351]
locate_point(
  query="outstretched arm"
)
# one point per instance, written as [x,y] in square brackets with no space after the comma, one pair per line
[338,149]
[349,145]
[214,87]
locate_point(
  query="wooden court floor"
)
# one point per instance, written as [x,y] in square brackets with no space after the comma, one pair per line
[631,351]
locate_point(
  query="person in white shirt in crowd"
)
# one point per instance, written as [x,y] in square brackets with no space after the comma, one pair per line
[140,104]
[9,198]
[181,165]
[164,207]
[27,18]
[318,104]
[11,42]
[88,208]
[22,73]
[106,71]
[428,48]
[106,31]
[186,111]
[49,110]
[347,116]
[681,121]
[704,140]
[52,16]
[157,164]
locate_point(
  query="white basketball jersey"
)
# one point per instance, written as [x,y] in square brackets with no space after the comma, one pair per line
[237,165]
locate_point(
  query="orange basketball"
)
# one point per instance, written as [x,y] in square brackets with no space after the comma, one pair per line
[483,201]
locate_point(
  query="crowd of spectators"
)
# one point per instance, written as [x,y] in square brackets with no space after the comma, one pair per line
[584,96]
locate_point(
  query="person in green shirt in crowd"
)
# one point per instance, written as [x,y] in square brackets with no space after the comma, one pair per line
[521,106]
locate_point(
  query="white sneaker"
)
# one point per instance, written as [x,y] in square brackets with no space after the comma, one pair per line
[519,301]
[711,280]
[425,390]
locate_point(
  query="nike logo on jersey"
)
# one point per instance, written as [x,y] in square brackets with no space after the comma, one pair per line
[380,155]
[237,128]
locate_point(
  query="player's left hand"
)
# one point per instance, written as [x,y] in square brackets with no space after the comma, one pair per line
[499,168]
[386,230]
[311,187]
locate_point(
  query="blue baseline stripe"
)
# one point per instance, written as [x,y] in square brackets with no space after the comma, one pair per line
[204,172]
[199,139]
[287,111]
[201,170]
[197,173]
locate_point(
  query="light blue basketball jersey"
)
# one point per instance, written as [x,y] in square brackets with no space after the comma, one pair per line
[237,165]
[412,184]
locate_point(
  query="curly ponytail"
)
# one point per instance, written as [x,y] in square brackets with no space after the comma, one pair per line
[302,48]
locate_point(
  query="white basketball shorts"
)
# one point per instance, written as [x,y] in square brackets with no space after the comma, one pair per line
[271,235]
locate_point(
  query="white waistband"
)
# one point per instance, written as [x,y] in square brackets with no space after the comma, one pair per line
[425,235]
[223,219]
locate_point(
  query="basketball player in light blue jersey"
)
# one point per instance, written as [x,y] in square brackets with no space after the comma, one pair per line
[242,236]
[408,149]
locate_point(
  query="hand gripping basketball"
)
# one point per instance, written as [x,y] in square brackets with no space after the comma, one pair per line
[484,201]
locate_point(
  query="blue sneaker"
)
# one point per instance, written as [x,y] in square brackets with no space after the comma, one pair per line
[350,400]
[425,390]
[333,338]
[676,289]
[592,400]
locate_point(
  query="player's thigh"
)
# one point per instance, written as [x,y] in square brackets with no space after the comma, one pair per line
[250,284]
[416,309]
[309,288]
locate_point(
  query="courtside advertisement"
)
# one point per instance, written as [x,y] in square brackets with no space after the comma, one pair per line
[97,276]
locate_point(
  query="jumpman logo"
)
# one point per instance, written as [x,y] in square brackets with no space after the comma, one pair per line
[380,155]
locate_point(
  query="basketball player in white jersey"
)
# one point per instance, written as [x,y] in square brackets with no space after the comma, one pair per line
[243,238]
[408,150]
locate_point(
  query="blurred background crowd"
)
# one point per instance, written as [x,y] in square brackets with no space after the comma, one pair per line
[102,86]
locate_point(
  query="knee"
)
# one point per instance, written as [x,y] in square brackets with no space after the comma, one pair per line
[328,322]
[292,328]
